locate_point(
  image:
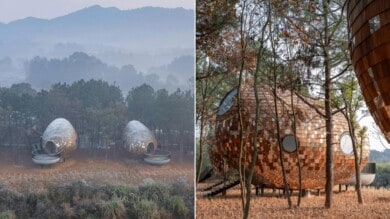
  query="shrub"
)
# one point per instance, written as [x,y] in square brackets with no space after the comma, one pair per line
[8,199]
[120,191]
[86,207]
[177,207]
[7,215]
[113,208]
[147,209]
[156,192]
[60,194]
[80,200]
[179,187]
[67,209]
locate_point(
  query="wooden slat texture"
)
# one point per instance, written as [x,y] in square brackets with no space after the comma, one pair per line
[310,133]
[370,52]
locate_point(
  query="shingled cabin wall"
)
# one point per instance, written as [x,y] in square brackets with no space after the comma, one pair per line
[310,134]
[369,32]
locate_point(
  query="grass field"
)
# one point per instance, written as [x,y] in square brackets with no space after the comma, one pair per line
[376,205]
[95,184]
[96,168]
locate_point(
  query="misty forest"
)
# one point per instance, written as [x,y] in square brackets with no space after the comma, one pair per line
[99,74]
[93,73]
[98,111]
[129,47]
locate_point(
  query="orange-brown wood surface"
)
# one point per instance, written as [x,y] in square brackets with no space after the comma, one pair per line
[369,27]
[310,134]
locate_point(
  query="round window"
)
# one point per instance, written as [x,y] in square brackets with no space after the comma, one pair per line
[289,143]
[227,102]
[346,144]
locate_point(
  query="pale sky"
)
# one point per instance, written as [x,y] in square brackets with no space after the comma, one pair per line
[11,10]
[377,142]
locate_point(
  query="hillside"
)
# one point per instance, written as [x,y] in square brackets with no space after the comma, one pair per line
[139,28]
[145,38]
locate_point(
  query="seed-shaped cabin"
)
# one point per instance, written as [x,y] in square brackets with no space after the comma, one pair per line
[369,32]
[59,138]
[138,138]
[310,135]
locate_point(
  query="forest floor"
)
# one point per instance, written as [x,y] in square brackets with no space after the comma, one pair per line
[17,171]
[271,205]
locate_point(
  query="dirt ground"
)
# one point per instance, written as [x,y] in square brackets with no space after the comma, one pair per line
[17,170]
[376,205]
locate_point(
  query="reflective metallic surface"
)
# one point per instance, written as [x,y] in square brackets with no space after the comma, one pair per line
[59,137]
[138,138]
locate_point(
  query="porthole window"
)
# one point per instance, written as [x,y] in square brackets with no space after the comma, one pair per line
[374,23]
[289,143]
[346,144]
[227,102]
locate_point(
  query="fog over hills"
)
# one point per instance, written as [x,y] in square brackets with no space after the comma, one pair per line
[42,72]
[152,40]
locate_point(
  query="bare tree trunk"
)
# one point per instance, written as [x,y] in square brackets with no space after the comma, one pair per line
[329,140]
[328,111]
[202,118]
[361,150]
[355,154]
[297,151]
[200,160]
[285,181]
[351,128]
[257,117]
[241,166]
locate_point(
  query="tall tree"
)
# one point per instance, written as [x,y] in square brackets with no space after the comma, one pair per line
[351,100]
[319,30]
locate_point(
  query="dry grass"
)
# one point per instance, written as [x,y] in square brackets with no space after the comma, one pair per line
[376,205]
[96,169]
[99,184]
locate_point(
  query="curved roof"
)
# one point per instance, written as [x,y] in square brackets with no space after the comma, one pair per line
[137,136]
[62,134]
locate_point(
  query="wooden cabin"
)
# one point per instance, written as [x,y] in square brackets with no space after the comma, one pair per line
[58,141]
[138,138]
[310,135]
[369,33]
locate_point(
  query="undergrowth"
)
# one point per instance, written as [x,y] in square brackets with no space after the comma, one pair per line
[81,200]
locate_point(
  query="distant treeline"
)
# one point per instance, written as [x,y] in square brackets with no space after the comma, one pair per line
[97,110]
[380,156]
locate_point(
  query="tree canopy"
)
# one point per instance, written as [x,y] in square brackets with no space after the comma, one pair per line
[96,109]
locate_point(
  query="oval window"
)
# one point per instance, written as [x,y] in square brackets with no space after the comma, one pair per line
[346,144]
[289,143]
[227,102]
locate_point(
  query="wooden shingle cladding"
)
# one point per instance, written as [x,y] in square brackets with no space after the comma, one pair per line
[310,134]
[369,31]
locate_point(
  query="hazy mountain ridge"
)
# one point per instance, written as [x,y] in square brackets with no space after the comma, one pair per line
[145,38]
[109,26]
